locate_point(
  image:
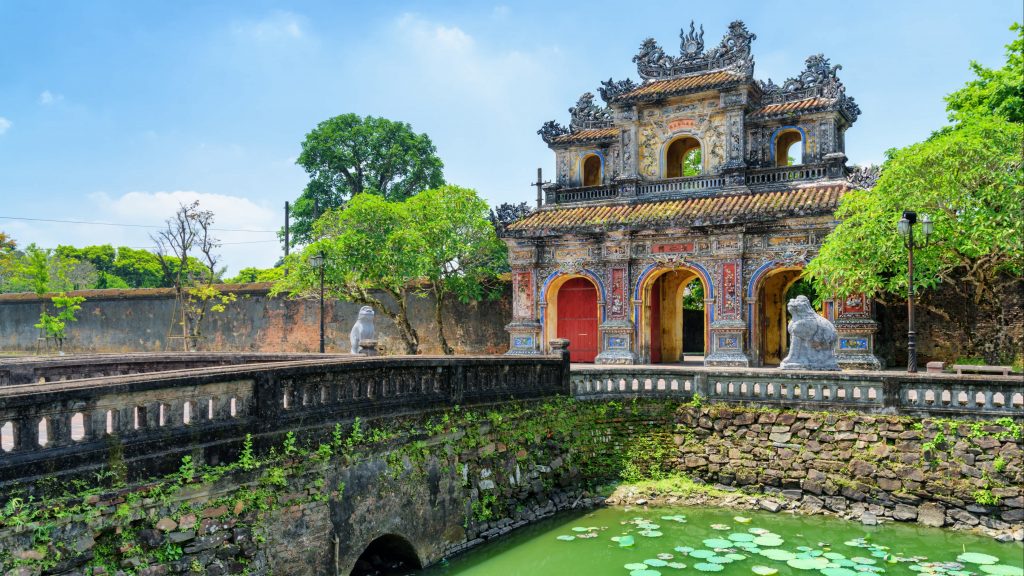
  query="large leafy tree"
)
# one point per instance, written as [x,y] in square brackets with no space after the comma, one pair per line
[349,154]
[368,247]
[461,252]
[969,178]
[8,258]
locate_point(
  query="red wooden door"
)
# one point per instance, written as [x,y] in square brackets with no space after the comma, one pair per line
[656,322]
[577,318]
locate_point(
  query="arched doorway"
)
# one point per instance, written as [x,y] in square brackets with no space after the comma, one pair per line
[576,317]
[388,555]
[674,322]
[592,170]
[789,148]
[771,340]
[683,158]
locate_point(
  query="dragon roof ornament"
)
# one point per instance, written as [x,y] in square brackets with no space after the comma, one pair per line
[732,53]
[585,115]
[612,89]
[819,79]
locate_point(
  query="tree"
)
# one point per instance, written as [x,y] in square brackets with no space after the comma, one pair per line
[968,180]
[8,258]
[55,325]
[461,252]
[186,233]
[367,245]
[141,268]
[348,154]
[998,93]
[692,163]
[252,274]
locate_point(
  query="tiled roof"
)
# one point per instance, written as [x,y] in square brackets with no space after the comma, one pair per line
[688,211]
[586,135]
[797,105]
[677,85]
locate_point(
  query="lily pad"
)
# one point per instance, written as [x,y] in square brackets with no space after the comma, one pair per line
[650,533]
[702,553]
[676,565]
[808,563]
[655,562]
[683,549]
[626,541]
[645,572]
[720,559]
[1002,570]
[741,537]
[777,554]
[977,558]
[665,556]
[566,537]
[863,560]
[769,540]
[708,567]
[635,566]
[764,570]
[720,527]
[717,543]
[741,519]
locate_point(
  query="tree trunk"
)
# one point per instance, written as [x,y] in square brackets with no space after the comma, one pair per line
[439,318]
[405,329]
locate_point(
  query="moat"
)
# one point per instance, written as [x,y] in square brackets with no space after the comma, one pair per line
[685,540]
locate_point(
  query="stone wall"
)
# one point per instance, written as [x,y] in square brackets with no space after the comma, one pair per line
[143,321]
[958,473]
[951,327]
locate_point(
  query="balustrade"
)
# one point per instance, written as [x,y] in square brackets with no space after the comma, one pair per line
[786,174]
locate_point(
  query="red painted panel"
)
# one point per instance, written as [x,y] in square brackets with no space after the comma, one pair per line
[577,319]
[656,322]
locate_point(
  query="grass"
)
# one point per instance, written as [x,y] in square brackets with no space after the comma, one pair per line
[676,485]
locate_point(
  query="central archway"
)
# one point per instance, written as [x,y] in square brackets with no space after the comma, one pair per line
[669,331]
[388,555]
[771,339]
[576,316]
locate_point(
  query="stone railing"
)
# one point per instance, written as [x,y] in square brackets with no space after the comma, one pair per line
[149,421]
[884,392]
[785,174]
[583,194]
[39,369]
[688,184]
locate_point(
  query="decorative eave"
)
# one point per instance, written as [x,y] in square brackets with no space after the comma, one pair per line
[814,200]
[660,89]
[805,106]
[592,136]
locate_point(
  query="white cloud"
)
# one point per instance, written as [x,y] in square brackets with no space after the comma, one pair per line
[231,215]
[47,98]
[275,27]
[4,124]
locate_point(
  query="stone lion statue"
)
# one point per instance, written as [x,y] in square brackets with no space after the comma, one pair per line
[362,330]
[812,339]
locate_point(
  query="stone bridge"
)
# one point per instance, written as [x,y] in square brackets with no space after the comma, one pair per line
[306,464]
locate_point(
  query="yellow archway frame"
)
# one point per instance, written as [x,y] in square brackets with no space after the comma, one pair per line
[674,282]
[770,338]
[551,307]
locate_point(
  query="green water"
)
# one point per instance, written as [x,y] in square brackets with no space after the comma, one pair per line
[912,550]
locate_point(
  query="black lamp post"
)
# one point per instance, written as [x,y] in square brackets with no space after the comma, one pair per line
[317,261]
[906,229]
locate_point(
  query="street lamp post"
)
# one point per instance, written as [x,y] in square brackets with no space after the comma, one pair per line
[317,261]
[906,229]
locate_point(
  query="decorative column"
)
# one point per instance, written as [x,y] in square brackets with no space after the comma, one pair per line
[855,348]
[616,331]
[728,330]
[525,329]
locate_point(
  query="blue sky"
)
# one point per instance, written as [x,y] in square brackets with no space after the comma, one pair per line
[117,111]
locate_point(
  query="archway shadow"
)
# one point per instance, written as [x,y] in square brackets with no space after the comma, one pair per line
[388,555]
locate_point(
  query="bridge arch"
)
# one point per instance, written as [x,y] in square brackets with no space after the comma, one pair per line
[387,554]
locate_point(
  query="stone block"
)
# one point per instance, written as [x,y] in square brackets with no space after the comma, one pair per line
[904,513]
[935,367]
[931,514]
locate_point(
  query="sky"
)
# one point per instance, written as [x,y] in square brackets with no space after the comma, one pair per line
[117,112]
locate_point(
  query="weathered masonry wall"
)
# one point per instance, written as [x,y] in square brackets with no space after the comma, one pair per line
[143,320]
[938,472]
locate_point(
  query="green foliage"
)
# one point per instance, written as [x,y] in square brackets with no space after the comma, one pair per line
[248,275]
[968,180]
[646,458]
[692,163]
[997,93]
[246,459]
[985,497]
[999,464]
[66,307]
[348,154]
[693,297]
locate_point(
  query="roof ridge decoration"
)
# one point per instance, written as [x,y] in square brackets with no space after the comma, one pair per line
[612,89]
[819,79]
[585,115]
[733,53]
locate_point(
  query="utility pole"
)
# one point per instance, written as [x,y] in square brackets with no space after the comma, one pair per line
[540,187]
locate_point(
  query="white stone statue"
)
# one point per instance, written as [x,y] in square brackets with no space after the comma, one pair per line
[362,330]
[812,339]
